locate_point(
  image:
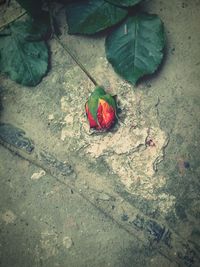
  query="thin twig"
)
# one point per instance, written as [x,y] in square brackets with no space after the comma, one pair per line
[67,48]
[12,20]
[76,60]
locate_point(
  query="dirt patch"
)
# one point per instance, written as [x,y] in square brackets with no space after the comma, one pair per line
[132,149]
[8,217]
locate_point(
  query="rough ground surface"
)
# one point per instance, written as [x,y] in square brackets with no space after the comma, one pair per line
[149,160]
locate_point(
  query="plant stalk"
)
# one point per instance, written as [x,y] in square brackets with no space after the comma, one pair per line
[76,60]
[67,48]
[12,20]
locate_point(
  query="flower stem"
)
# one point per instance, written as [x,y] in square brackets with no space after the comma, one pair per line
[67,49]
[76,60]
[12,20]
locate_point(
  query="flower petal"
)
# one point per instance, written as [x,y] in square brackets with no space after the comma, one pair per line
[91,120]
[105,115]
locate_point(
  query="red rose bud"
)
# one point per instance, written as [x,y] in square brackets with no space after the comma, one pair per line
[101,109]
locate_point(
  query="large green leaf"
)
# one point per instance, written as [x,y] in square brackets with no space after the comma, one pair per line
[32,29]
[124,2]
[25,62]
[92,16]
[136,47]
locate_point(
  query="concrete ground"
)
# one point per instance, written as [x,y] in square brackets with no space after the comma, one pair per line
[125,203]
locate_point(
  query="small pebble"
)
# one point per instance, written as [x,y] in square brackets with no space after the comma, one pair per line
[104,197]
[38,175]
[67,242]
[50,117]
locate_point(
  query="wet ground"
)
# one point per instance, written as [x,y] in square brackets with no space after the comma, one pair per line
[124,203]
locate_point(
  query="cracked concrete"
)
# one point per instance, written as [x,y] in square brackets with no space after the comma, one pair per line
[148,165]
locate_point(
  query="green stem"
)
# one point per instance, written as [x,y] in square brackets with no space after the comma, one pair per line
[76,60]
[67,48]
[12,20]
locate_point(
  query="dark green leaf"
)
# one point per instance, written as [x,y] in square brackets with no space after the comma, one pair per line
[92,16]
[38,29]
[124,2]
[33,7]
[98,91]
[29,30]
[5,32]
[136,47]
[23,61]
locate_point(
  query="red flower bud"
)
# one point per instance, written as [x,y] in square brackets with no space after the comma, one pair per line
[101,110]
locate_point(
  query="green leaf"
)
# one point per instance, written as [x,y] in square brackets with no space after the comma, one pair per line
[98,91]
[124,2]
[93,101]
[92,16]
[39,29]
[93,106]
[29,30]
[25,62]
[136,47]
